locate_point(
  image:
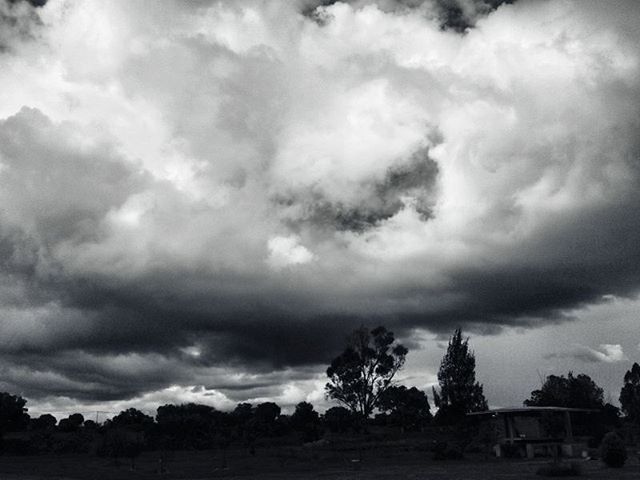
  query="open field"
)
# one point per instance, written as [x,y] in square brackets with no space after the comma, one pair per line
[283,463]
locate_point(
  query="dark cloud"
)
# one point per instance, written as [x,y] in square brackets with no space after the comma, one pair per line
[136,246]
[33,3]
[415,178]
[18,23]
[460,15]
[457,15]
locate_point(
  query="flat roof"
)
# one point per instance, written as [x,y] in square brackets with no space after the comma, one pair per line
[532,410]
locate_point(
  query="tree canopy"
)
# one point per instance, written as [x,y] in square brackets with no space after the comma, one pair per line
[365,370]
[630,394]
[13,413]
[571,391]
[459,393]
[407,407]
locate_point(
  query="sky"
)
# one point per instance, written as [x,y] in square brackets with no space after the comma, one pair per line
[200,200]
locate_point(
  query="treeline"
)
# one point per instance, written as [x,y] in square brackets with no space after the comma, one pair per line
[185,427]
[361,380]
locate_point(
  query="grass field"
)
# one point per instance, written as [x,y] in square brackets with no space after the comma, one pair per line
[292,463]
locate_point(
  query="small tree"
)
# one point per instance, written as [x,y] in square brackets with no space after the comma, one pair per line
[459,392]
[365,370]
[613,450]
[630,394]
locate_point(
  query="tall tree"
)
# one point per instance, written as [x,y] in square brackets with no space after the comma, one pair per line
[459,393]
[571,391]
[630,394]
[365,370]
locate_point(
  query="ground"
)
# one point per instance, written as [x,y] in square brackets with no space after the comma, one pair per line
[293,463]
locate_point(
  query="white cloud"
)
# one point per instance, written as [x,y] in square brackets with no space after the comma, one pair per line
[606,353]
[286,251]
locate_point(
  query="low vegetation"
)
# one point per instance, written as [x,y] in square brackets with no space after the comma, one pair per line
[613,450]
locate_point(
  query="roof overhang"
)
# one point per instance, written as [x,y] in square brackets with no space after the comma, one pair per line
[524,410]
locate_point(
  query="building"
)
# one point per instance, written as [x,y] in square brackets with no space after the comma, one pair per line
[531,431]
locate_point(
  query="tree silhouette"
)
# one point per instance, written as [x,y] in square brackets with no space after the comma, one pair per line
[13,413]
[339,420]
[365,370]
[407,407]
[306,421]
[44,422]
[571,391]
[72,423]
[132,419]
[459,392]
[630,394]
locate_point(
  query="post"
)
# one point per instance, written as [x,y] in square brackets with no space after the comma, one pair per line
[509,429]
[567,426]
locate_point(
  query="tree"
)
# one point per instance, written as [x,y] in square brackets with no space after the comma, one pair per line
[13,413]
[630,394]
[72,423]
[265,419]
[44,422]
[571,391]
[306,421]
[339,420]
[460,393]
[365,370]
[613,450]
[407,407]
[132,419]
[188,426]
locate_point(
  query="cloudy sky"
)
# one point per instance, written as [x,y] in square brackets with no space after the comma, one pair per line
[200,200]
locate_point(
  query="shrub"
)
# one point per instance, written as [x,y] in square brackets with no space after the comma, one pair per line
[17,446]
[445,451]
[613,451]
[572,469]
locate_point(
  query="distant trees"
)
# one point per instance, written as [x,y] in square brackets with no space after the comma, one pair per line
[364,371]
[572,391]
[630,394]
[459,393]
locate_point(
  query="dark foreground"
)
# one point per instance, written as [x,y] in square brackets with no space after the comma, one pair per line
[292,463]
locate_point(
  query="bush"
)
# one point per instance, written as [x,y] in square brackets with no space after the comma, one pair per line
[560,470]
[613,451]
[445,451]
[17,446]
[70,443]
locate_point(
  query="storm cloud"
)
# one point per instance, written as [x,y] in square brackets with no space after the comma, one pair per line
[197,193]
